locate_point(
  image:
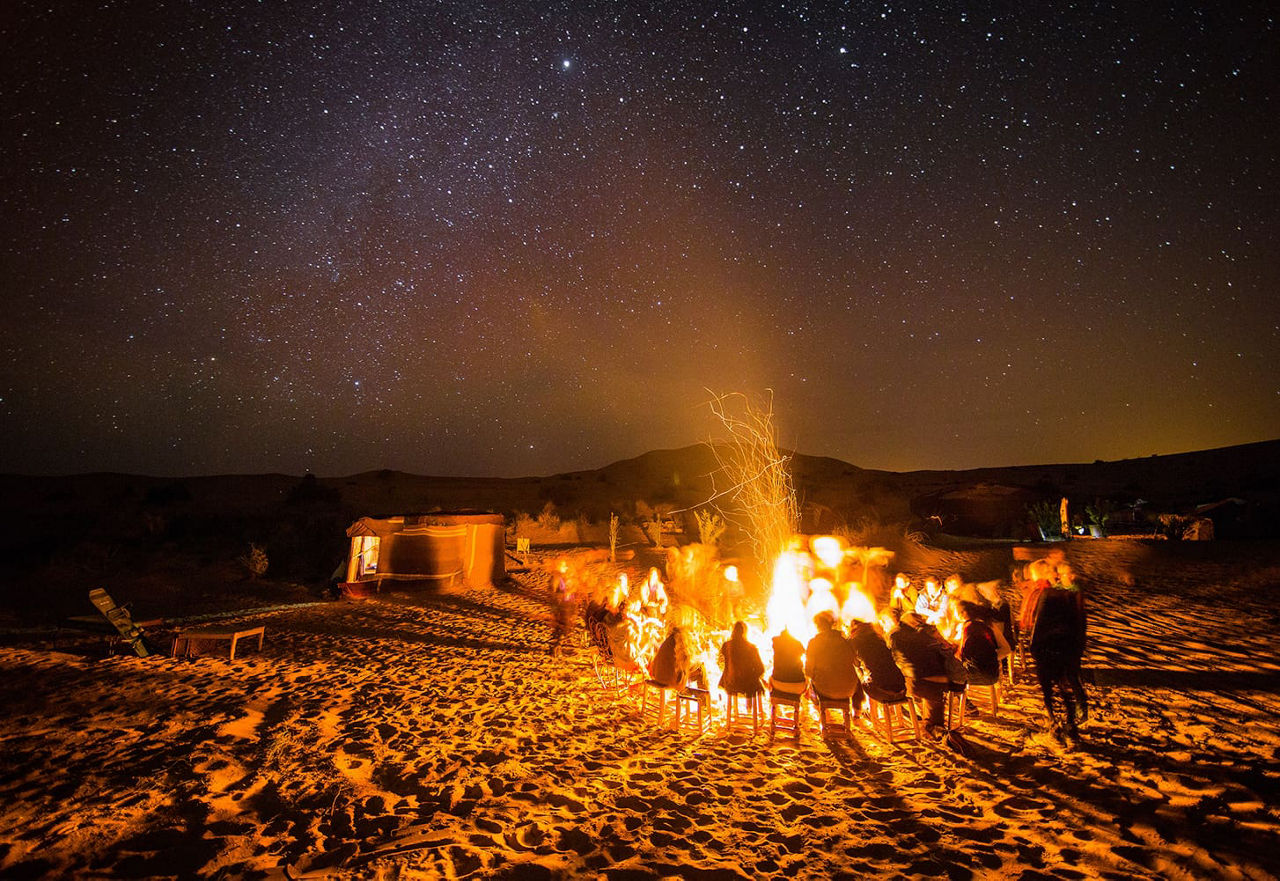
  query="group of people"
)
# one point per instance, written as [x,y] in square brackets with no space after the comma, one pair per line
[927,643]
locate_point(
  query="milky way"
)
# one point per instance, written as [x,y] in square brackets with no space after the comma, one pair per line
[502,239]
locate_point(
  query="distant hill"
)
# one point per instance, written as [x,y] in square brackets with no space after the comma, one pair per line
[178,541]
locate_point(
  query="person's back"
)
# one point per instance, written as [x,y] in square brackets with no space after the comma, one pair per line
[1057,626]
[829,663]
[918,649]
[665,669]
[921,653]
[885,680]
[743,668]
[788,664]
[979,652]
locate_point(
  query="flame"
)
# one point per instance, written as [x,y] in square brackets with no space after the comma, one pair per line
[786,608]
[797,596]
[857,606]
[829,550]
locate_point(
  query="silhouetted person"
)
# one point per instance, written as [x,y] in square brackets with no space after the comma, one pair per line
[921,654]
[788,664]
[885,682]
[979,651]
[563,607]
[1053,614]
[674,664]
[740,661]
[830,662]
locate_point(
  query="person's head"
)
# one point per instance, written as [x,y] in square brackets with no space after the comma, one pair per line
[824,621]
[965,610]
[739,630]
[931,584]
[901,582]
[952,583]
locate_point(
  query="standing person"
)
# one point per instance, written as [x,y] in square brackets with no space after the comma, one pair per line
[740,661]
[1053,615]
[830,662]
[562,607]
[921,653]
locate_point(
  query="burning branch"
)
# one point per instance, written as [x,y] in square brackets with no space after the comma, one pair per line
[759,474]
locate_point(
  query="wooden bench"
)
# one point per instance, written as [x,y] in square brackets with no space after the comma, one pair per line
[185,638]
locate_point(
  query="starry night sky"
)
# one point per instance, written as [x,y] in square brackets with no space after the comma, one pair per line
[520,238]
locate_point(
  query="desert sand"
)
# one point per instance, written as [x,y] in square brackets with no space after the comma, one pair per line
[427,734]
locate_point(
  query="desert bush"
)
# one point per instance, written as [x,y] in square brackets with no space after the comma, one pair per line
[548,519]
[711,526]
[254,562]
[1048,517]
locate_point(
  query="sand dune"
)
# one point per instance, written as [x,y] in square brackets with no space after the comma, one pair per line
[432,735]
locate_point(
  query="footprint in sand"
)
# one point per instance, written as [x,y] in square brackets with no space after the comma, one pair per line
[1017,806]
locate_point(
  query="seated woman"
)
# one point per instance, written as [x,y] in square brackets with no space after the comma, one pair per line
[675,665]
[979,650]
[740,660]
[788,664]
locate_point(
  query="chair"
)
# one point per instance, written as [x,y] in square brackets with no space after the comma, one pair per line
[659,691]
[779,720]
[893,720]
[737,709]
[614,680]
[829,705]
[120,618]
[690,703]
[989,690]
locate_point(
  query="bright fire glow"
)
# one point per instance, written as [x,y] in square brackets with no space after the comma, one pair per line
[828,549]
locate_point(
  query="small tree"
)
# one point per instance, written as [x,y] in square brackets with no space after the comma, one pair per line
[254,562]
[613,538]
[711,526]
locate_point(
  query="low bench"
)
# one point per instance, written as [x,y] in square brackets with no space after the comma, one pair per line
[185,638]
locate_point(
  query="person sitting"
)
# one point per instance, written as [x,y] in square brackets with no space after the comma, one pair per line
[978,651]
[931,605]
[674,665]
[788,664]
[905,594]
[921,653]
[830,662]
[995,609]
[740,660]
[884,681]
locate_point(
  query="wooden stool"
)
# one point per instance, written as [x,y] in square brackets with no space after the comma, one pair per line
[992,694]
[779,701]
[738,707]
[656,688]
[842,705]
[893,720]
[698,699]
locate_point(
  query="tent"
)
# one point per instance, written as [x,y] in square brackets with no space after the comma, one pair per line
[442,545]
